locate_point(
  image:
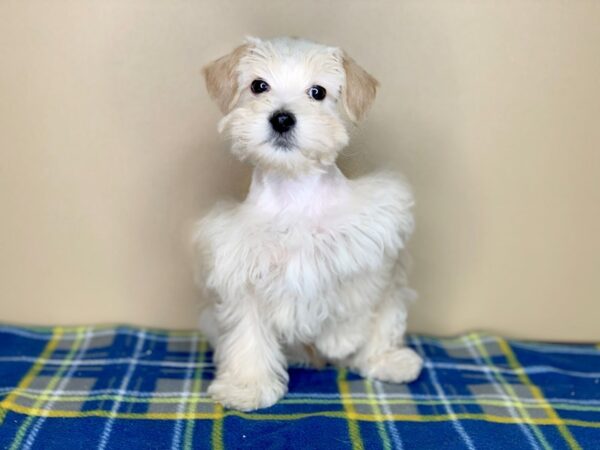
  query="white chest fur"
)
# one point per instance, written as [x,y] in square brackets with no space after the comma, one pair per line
[309,196]
[307,250]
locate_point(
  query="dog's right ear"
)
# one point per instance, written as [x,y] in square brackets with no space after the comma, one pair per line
[221,81]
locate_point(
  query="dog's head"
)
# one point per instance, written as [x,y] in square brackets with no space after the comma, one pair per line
[288,102]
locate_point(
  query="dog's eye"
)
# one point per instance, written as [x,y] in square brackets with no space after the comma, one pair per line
[259,86]
[317,92]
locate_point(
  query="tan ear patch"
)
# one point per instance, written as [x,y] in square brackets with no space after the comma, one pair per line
[221,78]
[359,91]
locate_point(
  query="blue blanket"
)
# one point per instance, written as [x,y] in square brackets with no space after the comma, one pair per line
[132,388]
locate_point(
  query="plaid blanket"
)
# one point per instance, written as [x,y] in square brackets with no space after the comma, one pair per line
[111,388]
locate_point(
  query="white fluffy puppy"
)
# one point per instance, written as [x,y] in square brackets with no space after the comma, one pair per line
[311,263]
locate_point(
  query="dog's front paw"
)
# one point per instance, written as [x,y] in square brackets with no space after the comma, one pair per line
[246,394]
[401,365]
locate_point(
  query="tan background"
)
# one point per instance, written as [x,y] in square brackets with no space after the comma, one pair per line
[108,149]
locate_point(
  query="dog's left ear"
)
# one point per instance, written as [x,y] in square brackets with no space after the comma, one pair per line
[359,91]
[221,81]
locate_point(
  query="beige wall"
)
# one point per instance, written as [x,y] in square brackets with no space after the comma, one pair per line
[108,149]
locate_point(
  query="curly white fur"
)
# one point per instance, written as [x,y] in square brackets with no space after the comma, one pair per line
[310,257]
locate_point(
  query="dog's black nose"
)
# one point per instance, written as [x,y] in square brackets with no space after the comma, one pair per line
[282,121]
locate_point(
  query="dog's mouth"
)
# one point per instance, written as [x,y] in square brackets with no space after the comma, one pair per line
[283,142]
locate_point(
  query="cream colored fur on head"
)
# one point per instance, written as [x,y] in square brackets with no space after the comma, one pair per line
[311,266]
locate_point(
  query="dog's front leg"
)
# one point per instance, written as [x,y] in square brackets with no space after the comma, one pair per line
[384,356]
[251,369]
